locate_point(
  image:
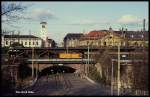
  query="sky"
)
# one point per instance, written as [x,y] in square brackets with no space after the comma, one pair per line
[80,17]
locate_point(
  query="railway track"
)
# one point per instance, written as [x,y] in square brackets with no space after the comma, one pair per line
[56,84]
[63,83]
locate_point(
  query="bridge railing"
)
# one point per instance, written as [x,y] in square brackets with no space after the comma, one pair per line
[60,60]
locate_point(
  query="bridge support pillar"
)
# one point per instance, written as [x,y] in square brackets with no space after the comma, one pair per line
[37,69]
[32,70]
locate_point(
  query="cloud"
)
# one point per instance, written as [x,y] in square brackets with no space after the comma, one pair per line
[42,14]
[84,22]
[129,20]
[90,22]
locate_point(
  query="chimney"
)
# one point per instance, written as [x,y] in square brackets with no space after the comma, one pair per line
[122,32]
[144,25]
[122,29]
[125,32]
[110,29]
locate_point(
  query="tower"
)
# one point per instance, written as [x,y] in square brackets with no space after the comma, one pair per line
[43,34]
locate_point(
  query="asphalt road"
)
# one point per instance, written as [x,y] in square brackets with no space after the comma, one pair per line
[65,84]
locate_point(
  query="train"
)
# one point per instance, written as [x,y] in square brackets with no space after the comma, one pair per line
[70,55]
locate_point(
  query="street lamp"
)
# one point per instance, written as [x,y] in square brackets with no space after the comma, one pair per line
[32,62]
[112,77]
[88,51]
[52,71]
[118,79]
[60,64]
[67,45]
[88,58]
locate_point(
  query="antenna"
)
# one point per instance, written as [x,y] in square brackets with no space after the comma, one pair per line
[29,38]
[18,36]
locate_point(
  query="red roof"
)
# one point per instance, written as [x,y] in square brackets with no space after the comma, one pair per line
[95,34]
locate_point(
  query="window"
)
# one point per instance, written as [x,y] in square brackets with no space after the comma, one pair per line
[11,42]
[37,43]
[142,36]
[33,42]
[87,42]
[25,43]
[136,44]
[99,43]
[132,36]
[104,43]
[43,26]
[29,43]
[6,42]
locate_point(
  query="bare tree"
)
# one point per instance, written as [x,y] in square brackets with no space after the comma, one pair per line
[11,11]
[140,79]
[104,60]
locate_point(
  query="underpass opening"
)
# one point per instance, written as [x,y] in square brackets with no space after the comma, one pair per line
[25,72]
[57,69]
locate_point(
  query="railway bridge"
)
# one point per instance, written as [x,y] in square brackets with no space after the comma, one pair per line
[41,58]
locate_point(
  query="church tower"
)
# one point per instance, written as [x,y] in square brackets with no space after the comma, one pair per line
[44,30]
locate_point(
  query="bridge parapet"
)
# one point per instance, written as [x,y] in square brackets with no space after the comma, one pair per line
[62,61]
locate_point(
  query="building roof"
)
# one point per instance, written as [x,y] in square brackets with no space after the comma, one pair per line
[98,34]
[95,34]
[43,23]
[133,35]
[130,35]
[20,36]
[136,35]
[73,35]
[49,40]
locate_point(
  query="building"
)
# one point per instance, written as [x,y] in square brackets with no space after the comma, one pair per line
[50,43]
[30,40]
[92,38]
[25,40]
[101,38]
[137,38]
[114,38]
[72,39]
[2,40]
